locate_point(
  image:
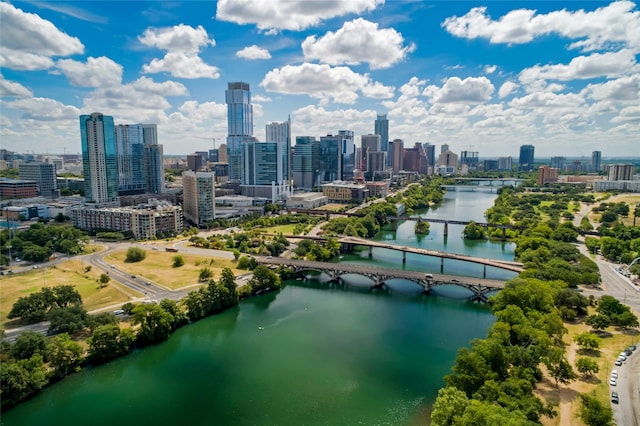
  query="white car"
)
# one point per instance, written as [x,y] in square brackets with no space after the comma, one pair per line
[613,381]
[622,357]
[614,374]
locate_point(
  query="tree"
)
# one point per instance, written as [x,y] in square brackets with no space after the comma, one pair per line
[609,305]
[595,413]
[108,342]
[473,231]
[104,280]
[205,274]
[450,403]
[587,366]
[21,379]
[68,319]
[64,355]
[559,368]
[28,344]
[135,254]
[626,320]
[263,278]
[587,341]
[155,323]
[598,322]
[178,261]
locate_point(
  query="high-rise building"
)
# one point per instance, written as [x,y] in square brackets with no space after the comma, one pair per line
[306,155]
[198,190]
[194,162]
[558,163]
[330,160]
[240,125]
[280,132]
[222,153]
[262,163]
[596,161]
[130,154]
[376,163]
[430,152]
[99,159]
[620,172]
[444,148]
[396,150]
[546,175]
[415,159]
[448,159]
[470,159]
[154,168]
[368,143]
[44,174]
[348,154]
[382,129]
[505,163]
[525,162]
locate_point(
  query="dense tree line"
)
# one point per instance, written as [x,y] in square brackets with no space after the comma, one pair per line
[40,241]
[492,382]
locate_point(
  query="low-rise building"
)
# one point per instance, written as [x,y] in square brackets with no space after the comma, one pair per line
[377,189]
[17,188]
[307,200]
[345,192]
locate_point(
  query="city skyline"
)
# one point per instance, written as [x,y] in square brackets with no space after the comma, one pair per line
[486,77]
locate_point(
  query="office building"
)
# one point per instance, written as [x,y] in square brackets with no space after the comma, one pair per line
[382,129]
[490,165]
[130,155]
[306,163]
[376,165]
[194,162]
[99,159]
[368,143]
[280,132]
[17,188]
[240,125]
[395,155]
[154,168]
[345,192]
[558,163]
[596,161]
[330,159]
[546,175]
[199,197]
[262,173]
[44,174]
[430,152]
[222,153]
[444,148]
[525,162]
[469,159]
[348,154]
[620,172]
[447,163]
[415,159]
[505,163]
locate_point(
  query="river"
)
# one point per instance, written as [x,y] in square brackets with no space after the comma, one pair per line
[312,354]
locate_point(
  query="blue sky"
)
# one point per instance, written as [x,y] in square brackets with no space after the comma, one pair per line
[482,76]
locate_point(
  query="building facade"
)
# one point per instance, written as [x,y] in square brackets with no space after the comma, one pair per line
[99,159]
[345,192]
[130,155]
[306,165]
[620,172]
[526,159]
[596,161]
[240,125]
[198,189]
[44,174]
[381,127]
[280,132]
[394,157]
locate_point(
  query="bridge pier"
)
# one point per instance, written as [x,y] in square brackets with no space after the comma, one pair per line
[370,251]
[446,229]
[441,264]
[327,215]
[404,257]
[484,271]
[504,233]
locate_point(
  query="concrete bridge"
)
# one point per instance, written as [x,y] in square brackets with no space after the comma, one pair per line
[348,243]
[379,276]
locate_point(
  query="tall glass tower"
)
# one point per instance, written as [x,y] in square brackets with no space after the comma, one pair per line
[99,159]
[281,133]
[382,129]
[240,125]
[525,162]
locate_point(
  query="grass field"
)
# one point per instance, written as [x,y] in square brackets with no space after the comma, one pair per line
[157,267]
[69,272]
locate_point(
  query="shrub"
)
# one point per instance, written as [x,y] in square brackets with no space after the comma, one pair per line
[135,254]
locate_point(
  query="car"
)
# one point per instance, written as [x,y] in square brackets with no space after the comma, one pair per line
[614,397]
[118,312]
[35,267]
[428,276]
[133,276]
[618,362]
[632,348]
[627,352]
[18,259]
[154,248]
[148,283]
[613,381]
[622,357]
[453,280]
[614,374]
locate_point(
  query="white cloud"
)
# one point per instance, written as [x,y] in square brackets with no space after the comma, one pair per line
[260,98]
[621,89]
[615,23]
[141,97]
[29,42]
[338,84]
[96,72]
[548,100]
[358,41]
[183,44]
[43,109]
[275,15]
[469,90]
[490,69]
[13,89]
[610,64]
[253,52]
[631,113]
[506,89]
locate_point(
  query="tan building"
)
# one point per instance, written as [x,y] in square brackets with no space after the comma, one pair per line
[345,192]
[377,189]
[546,175]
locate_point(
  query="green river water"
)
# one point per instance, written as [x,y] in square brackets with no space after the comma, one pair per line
[310,354]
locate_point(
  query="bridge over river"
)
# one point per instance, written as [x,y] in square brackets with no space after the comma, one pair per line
[349,242]
[479,287]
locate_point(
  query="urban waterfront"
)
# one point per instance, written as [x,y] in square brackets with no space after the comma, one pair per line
[312,353]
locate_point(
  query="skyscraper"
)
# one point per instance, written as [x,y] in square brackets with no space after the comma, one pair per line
[596,161]
[199,197]
[382,129]
[525,162]
[396,150]
[240,125]
[368,143]
[430,152]
[154,168]
[99,159]
[130,154]
[305,162]
[280,132]
[348,154]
